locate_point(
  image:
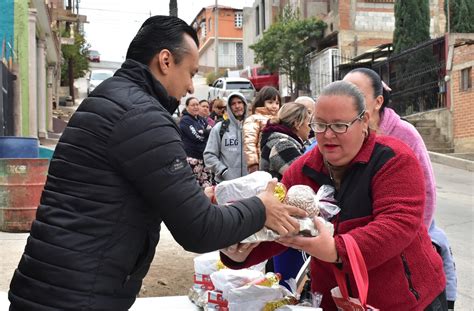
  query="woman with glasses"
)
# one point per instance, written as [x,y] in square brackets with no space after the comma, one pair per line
[218,109]
[380,190]
[385,121]
[282,143]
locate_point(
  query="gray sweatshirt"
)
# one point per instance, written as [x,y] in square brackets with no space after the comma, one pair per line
[225,157]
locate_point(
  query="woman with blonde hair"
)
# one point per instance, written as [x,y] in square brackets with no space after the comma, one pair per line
[266,105]
[282,143]
[283,138]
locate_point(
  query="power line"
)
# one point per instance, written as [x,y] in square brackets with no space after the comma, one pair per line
[115,11]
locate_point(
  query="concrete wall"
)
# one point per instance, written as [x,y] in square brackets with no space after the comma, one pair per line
[249,37]
[21,44]
[250,26]
[364,25]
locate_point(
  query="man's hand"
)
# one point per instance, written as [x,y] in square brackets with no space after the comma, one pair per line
[239,252]
[209,192]
[278,215]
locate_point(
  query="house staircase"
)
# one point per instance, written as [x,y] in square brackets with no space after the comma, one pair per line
[431,134]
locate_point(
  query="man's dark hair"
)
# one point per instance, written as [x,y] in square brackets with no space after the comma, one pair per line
[157,33]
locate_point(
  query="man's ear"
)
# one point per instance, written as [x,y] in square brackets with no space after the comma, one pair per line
[162,61]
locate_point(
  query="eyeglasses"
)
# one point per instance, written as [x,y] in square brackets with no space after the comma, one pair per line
[339,128]
[220,107]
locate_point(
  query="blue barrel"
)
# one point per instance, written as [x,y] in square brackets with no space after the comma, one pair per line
[18,147]
[46,152]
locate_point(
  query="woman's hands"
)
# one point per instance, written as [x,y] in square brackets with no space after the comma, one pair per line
[239,252]
[322,247]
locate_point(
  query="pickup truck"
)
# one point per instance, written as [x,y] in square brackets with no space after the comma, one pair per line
[261,77]
[222,87]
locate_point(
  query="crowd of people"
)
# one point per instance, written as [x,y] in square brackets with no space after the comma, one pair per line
[270,136]
[123,166]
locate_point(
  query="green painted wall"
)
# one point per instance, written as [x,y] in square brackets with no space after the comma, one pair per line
[21,45]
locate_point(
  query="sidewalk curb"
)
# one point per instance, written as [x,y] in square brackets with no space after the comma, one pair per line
[452,161]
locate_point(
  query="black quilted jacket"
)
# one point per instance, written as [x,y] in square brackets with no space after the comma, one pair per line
[118,171]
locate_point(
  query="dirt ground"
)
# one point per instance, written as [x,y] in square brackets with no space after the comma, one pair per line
[171,272]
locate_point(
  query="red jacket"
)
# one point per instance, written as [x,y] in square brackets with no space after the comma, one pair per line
[382,201]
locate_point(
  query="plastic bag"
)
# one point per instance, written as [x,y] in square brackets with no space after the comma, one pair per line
[254,297]
[303,196]
[227,279]
[204,265]
[207,263]
[241,188]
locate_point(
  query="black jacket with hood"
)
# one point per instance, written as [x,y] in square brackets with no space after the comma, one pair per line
[118,171]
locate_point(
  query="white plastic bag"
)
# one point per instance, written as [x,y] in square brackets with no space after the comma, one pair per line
[241,188]
[206,263]
[254,297]
[227,279]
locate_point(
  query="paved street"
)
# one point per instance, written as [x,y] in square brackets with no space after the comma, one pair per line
[455,215]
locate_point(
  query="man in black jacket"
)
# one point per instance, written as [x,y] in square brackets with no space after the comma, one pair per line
[118,171]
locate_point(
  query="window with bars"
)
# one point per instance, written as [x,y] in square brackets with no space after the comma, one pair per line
[238,17]
[466,80]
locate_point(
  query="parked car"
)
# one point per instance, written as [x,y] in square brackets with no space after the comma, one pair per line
[261,77]
[93,56]
[222,87]
[97,77]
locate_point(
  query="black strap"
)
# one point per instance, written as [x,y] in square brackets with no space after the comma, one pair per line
[224,128]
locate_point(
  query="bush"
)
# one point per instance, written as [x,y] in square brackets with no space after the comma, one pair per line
[212,76]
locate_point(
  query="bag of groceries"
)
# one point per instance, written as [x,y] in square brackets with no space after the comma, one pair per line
[321,204]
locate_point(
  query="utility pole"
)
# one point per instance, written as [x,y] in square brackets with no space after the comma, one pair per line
[70,62]
[216,38]
[448,12]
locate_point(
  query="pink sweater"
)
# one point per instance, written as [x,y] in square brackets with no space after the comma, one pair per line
[392,125]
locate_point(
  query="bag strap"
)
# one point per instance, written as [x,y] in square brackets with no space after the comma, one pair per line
[224,127]
[359,270]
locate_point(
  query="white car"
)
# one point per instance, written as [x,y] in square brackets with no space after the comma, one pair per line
[222,87]
[97,77]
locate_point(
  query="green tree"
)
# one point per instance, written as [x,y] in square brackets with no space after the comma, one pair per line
[461,14]
[286,43]
[76,54]
[412,23]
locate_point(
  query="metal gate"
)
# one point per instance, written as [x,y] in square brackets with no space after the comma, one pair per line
[6,101]
[416,77]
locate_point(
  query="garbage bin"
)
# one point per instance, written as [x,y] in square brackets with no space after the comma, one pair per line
[21,184]
[18,147]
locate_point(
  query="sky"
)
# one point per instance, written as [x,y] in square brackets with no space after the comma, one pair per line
[112,24]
